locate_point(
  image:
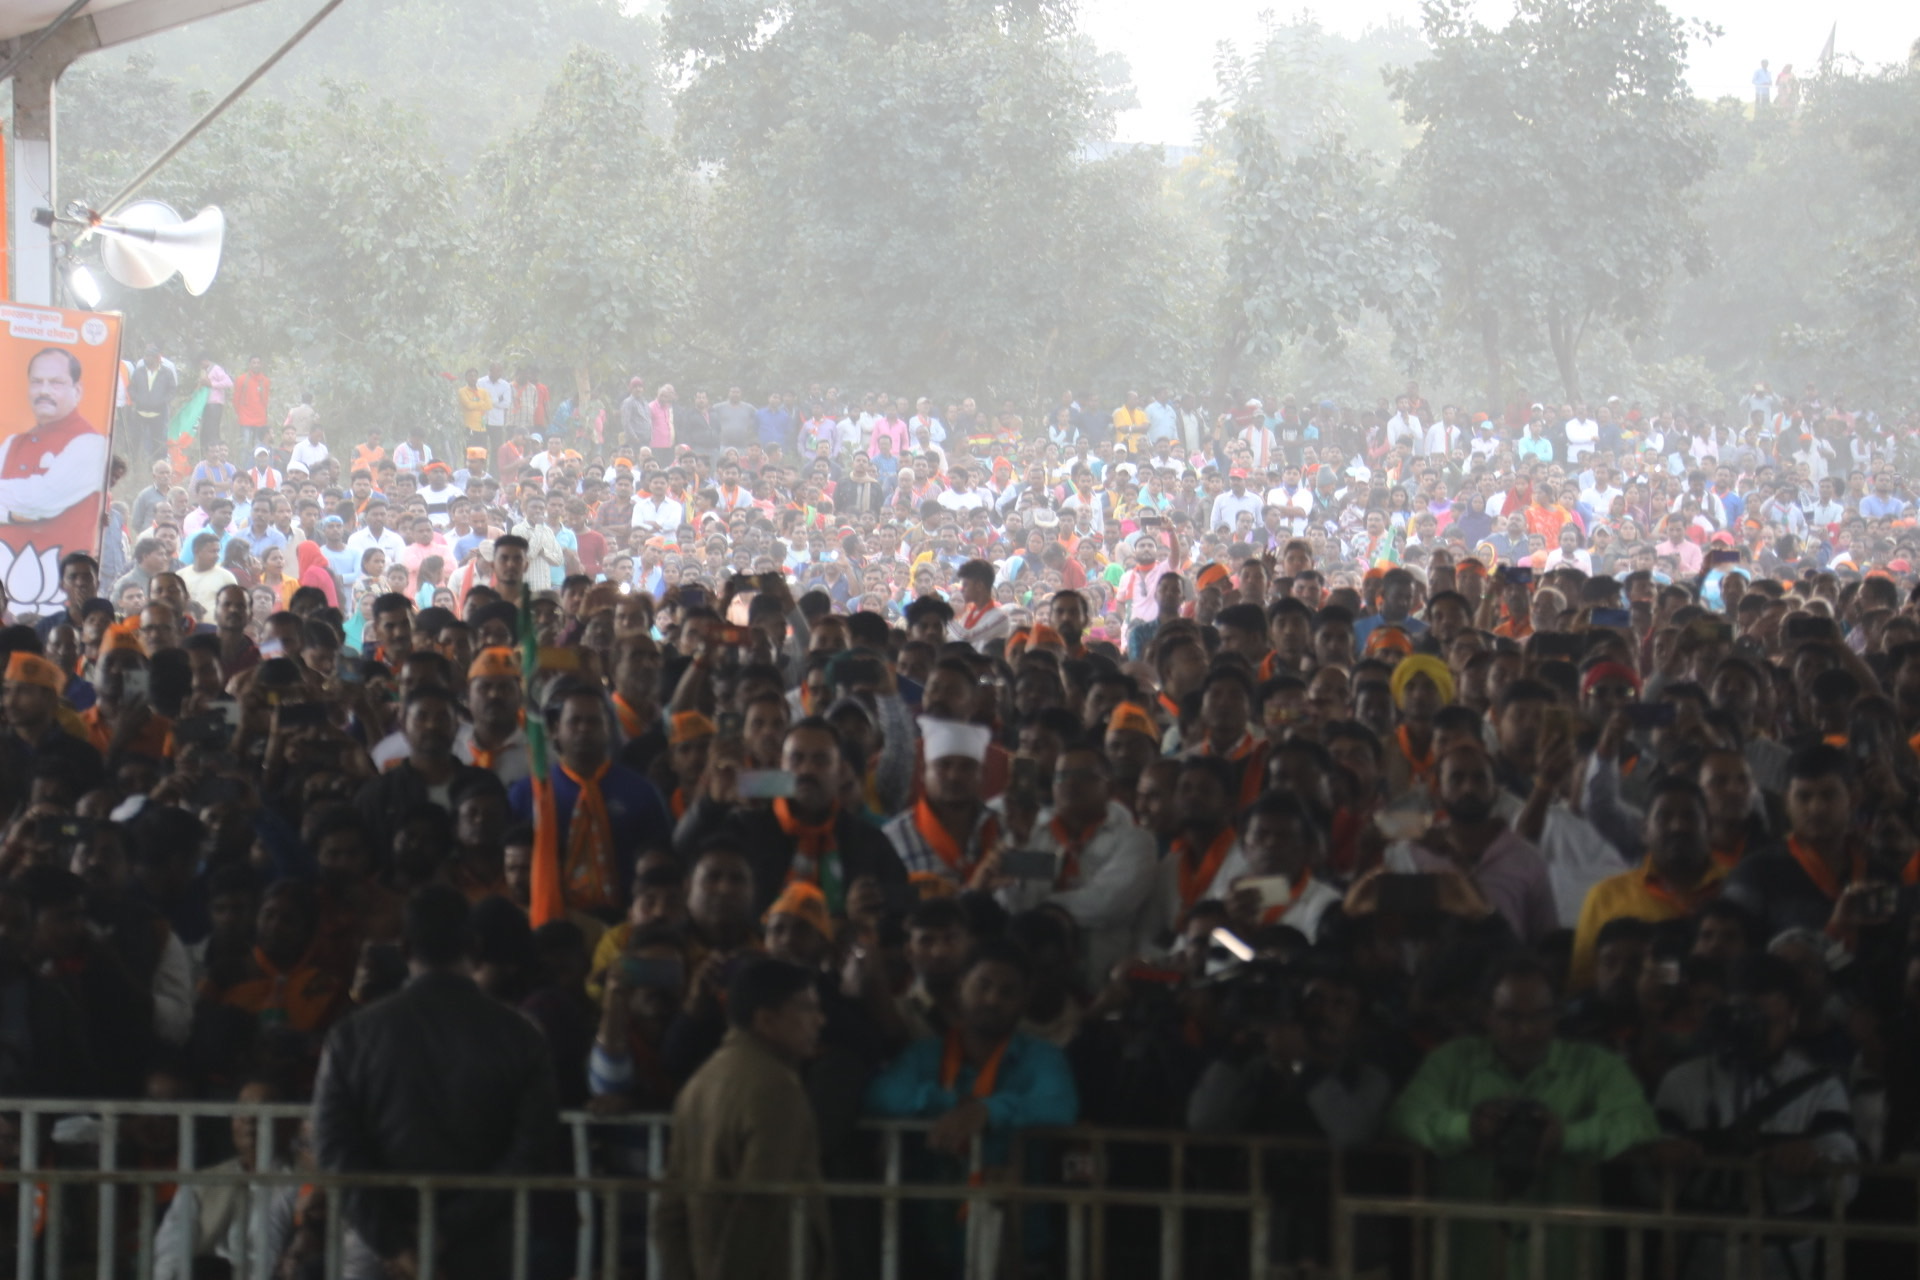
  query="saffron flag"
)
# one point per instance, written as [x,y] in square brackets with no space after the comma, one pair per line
[546,901]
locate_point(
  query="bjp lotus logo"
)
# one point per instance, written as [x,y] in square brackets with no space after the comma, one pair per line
[32,577]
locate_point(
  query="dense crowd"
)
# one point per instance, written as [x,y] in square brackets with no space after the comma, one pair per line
[1536,788]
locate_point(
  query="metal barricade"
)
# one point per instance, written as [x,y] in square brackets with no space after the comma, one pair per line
[617,1175]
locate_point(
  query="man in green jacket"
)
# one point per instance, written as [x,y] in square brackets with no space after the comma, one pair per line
[1513,1114]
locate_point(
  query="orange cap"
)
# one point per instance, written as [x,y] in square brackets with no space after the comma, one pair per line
[1389,638]
[496,661]
[123,635]
[1213,573]
[1045,636]
[930,884]
[806,901]
[31,668]
[690,726]
[1131,717]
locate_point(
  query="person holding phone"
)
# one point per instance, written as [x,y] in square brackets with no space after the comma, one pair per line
[806,835]
[1102,864]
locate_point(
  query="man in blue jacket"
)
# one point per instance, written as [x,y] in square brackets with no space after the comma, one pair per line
[607,813]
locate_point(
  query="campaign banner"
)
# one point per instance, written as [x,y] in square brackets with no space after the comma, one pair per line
[59,371]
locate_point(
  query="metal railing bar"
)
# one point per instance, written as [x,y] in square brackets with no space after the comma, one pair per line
[335,1264]
[109,1196]
[890,1211]
[610,1247]
[25,1239]
[429,1235]
[522,1235]
[583,1201]
[143,1259]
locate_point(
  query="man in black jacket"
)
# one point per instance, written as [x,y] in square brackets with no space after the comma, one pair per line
[150,390]
[44,1050]
[806,837]
[437,1078]
[430,775]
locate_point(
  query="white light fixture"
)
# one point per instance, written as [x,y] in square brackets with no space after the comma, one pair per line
[85,287]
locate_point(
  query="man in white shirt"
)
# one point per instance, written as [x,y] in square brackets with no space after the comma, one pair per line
[1294,499]
[1234,500]
[961,495]
[496,385]
[309,453]
[375,533]
[1444,438]
[1404,428]
[923,419]
[1104,864]
[1582,433]
[1258,441]
[978,620]
[656,510]
[1600,495]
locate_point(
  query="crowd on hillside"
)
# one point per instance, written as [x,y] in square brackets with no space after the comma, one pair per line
[1535,788]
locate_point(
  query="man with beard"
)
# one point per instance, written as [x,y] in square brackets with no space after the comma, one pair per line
[1680,873]
[807,836]
[1507,870]
[983,1079]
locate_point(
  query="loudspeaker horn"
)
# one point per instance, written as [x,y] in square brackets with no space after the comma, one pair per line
[147,242]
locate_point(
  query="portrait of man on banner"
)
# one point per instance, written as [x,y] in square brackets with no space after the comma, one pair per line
[57,372]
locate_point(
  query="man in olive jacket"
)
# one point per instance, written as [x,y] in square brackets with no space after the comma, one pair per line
[744,1117]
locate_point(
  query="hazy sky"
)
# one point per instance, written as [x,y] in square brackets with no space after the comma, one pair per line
[1171,42]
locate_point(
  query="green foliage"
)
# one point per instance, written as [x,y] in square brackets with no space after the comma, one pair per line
[901,195]
[1870,340]
[923,197]
[589,226]
[1559,155]
[474,69]
[343,235]
[1309,83]
[1313,241]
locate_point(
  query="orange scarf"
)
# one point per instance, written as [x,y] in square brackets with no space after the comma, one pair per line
[485,759]
[1422,766]
[1819,872]
[588,868]
[951,1058]
[631,723]
[1171,707]
[1071,847]
[1241,749]
[954,1056]
[974,613]
[945,847]
[678,802]
[1685,901]
[815,853]
[1194,880]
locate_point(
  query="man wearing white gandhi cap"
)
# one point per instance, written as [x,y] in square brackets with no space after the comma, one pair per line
[949,830]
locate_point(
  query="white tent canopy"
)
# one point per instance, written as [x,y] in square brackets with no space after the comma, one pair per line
[114,21]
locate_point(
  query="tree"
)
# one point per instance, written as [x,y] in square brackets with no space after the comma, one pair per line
[902,192]
[590,226]
[1559,156]
[1313,242]
[345,237]
[1870,339]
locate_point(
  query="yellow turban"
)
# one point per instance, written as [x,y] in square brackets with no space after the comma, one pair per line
[1421,664]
